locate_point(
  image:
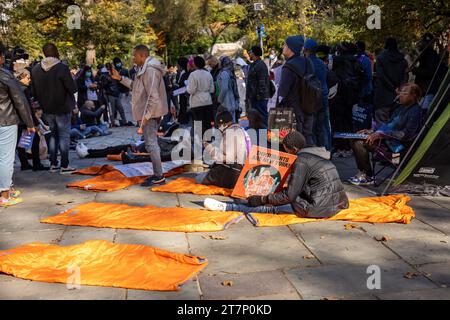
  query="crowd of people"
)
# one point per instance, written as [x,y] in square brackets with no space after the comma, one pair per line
[357,93]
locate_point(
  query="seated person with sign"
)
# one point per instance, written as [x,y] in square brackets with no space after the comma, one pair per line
[229,154]
[314,189]
[393,137]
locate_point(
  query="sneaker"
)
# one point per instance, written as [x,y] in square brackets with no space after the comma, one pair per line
[347,154]
[82,150]
[54,169]
[153,180]
[68,170]
[10,202]
[214,205]
[361,179]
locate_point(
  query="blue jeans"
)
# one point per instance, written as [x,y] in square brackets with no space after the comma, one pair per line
[261,107]
[287,208]
[322,128]
[8,140]
[60,136]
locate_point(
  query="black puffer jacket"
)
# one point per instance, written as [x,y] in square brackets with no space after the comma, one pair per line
[314,187]
[258,83]
[14,106]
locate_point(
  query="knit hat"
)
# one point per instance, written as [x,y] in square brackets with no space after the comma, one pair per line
[295,43]
[295,139]
[311,45]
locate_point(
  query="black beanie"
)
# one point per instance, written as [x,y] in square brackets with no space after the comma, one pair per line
[224,117]
[295,139]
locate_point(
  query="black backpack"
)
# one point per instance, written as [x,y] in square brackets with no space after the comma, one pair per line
[310,90]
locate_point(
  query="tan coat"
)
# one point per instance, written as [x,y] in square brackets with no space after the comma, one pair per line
[149,98]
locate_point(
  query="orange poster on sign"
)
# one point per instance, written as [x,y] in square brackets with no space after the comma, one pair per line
[265,172]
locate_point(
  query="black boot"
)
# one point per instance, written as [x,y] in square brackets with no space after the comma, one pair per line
[128,158]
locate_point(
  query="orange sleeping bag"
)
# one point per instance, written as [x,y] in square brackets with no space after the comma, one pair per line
[122,216]
[101,263]
[110,179]
[188,185]
[386,209]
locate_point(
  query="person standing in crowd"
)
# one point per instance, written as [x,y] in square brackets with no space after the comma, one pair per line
[124,91]
[182,77]
[54,89]
[314,189]
[171,82]
[87,88]
[258,85]
[113,95]
[322,128]
[228,90]
[390,71]
[290,85]
[214,67]
[200,87]
[429,64]
[366,96]
[149,104]
[14,109]
[350,78]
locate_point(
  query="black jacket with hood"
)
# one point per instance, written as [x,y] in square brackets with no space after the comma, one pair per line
[258,83]
[314,188]
[53,86]
[390,74]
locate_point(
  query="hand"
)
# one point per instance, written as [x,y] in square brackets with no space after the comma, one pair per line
[31,130]
[205,144]
[83,127]
[103,107]
[93,86]
[373,138]
[255,201]
[144,122]
[115,74]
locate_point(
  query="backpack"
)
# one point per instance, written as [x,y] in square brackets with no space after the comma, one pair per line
[310,90]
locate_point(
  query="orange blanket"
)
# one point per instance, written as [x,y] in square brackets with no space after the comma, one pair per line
[188,185]
[110,179]
[122,216]
[392,208]
[101,263]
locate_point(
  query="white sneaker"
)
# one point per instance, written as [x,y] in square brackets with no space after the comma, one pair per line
[214,205]
[54,169]
[68,170]
[82,150]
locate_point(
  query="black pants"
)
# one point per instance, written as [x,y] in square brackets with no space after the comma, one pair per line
[103,153]
[23,155]
[361,151]
[205,114]
[341,121]
[223,175]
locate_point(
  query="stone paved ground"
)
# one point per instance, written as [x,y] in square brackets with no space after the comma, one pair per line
[306,261]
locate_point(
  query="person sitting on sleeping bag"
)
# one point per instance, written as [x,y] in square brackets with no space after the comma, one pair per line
[314,189]
[228,153]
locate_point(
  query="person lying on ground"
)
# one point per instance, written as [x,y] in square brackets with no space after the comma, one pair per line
[130,153]
[314,189]
[229,154]
[393,137]
[169,123]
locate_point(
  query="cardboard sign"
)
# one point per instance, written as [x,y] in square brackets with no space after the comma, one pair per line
[281,119]
[264,172]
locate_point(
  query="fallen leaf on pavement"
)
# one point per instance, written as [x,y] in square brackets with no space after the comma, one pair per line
[349,226]
[383,238]
[330,298]
[309,256]
[410,275]
[227,283]
[322,237]
[444,241]
[211,237]
[63,203]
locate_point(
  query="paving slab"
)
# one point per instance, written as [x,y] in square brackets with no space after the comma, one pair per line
[171,241]
[77,235]
[18,289]
[432,214]
[245,285]
[249,249]
[189,291]
[422,250]
[196,201]
[416,229]
[438,272]
[351,279]
[427,294]
[138,196]
[10,240]
[331,243]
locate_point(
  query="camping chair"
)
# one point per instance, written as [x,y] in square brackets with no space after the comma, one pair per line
[385,158]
